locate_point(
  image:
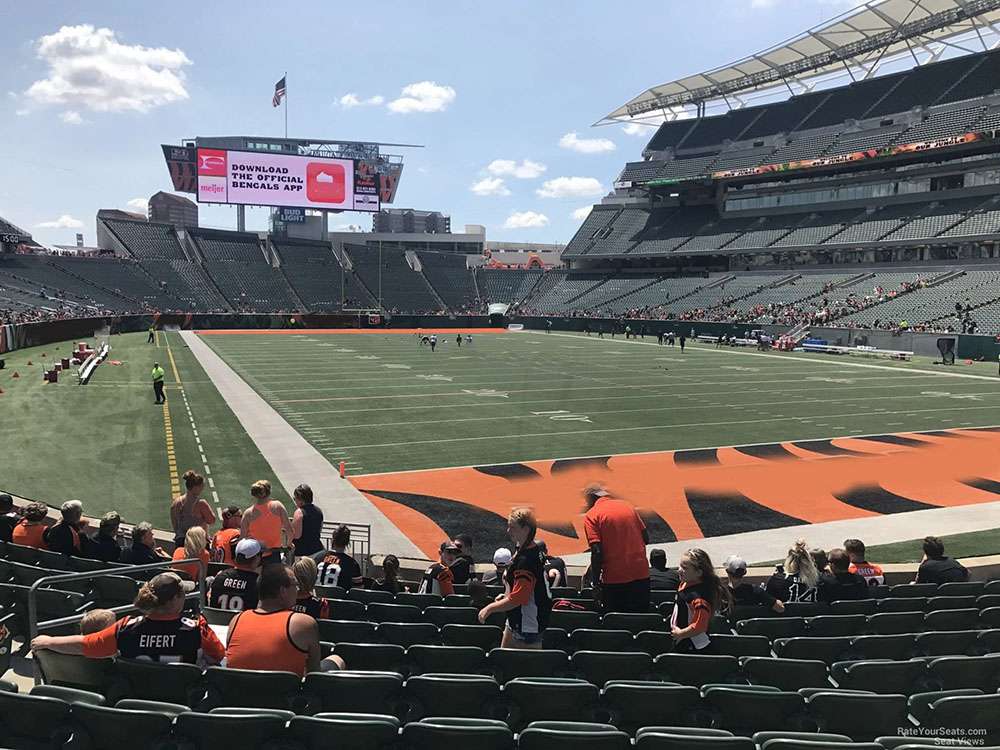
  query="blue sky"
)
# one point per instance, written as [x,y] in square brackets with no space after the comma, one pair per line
[494,92]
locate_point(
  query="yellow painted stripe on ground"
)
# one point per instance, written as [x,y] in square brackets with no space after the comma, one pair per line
[173,365]
[175,482]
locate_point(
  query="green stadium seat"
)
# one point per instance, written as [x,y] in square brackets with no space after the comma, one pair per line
[861,716]
[442,616]
[473,696]
[806,609]
[740,645]
[556,638]
[215,616]
[19,553]
[564,592]
[760,738]
[249,688]
[383,612]
[570,619]
[244,711]
[156,707]
[648,739]
[992,587]
[68,694]
[952,619]
[331,592]
[913,589]
[634,622]
[378,657]
[458,600]
[744,709]
[145,680]
[902,604]
[985,601]
[832,626]
[827,650]
[919,703]
[899,646]
[437,733]
[698,669]
[406,634]
[804,744]
[880,676]
[600,666]
[369,596]
[105,728]
[32,721]
[957,672]
[355,731]
[420,601]
[785,674]
[545,735]
[346,631]
[990,617]
[510,663]
[935,603]
[549,699]
[115,591]
[484,636]
[6,686]
[772,627]
[345,609]
[909,742]
[656,642]
[631,704]
[979,712]
[360,692]
[212,731]
[854,607]
[451,659]
[966,588]
[895,623]
[73,671]
[987,642]
[945,643]
[597,639]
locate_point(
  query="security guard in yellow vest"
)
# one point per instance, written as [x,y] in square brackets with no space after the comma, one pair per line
[158,383]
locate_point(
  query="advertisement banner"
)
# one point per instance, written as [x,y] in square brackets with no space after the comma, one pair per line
[253,178]
[182,163]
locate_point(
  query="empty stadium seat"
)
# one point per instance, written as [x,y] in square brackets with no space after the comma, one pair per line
[698,669]
[747,709]
[597,639]
[785,674]
[670,738]
[250,688]
[880,676]
[380,657]
[600,666]
[860,716]
[34,721]
[633,622]
[362,731]
[546,735]
[510,663]
[368,692]
[631,704]
[170,683]
[208,731]
[346,631]
[407,634]
[956,672]
[474,696]
[442,616]
[484,636]
[772,627]
[449,659]
[549,699]
[828,650]
[106,728]
[434,733]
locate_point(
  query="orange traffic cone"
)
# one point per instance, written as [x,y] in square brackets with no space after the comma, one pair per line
[17,374]
[43,355]
[343,470]
[29,363]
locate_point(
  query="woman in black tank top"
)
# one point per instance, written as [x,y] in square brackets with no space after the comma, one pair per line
[307,523]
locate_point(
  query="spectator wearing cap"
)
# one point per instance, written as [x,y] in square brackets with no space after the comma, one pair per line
[501,559]
[662,578]
[9,517]
[105,546]
[438,578]
[235,589]
[872,573]
[617,539]
[30,530]
[841,583]
[936,568]
[747,594]
[463,567]
[144,550]
[64,535]
[555,567]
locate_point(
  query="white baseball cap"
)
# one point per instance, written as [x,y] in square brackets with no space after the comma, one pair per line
[502,556]
[247,548]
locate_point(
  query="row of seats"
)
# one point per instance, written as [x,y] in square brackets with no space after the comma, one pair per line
[627,704]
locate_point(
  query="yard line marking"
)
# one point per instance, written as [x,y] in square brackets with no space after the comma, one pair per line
[629,429]
[211,483]
[215,497]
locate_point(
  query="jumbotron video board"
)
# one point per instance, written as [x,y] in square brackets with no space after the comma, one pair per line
[252,178]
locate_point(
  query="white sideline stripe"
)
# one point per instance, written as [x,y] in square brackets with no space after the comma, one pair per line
[644,427]
[844,436]
[785,357]
[292,458]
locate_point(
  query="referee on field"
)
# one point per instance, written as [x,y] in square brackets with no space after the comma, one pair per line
[158,383]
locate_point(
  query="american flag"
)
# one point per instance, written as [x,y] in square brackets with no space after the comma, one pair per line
[279,92]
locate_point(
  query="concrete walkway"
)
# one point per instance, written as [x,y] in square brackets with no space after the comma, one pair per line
[293,459]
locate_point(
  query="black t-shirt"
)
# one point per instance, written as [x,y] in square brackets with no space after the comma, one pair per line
[841,586]
[162,640]
[312,527]
[7,523]
[235,590]
[559,565]
[941,570]
[337,569]
[140,554]
[790,588]
[105,548]
[316,607]
[664,580]
[393,587]
[63,538]
[461,569]
[528,568]
[746,594]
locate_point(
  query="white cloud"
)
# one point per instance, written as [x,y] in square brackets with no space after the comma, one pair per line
[89,68]
[637,128]
[526,170]
[570,187]
[586,145]
[490,186]
[63,222]
[582,213]
[71,117]
[140,205]
[525,220]
[425,96]
[349,101]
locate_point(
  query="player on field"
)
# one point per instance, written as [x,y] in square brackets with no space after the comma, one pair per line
[236,589]
[434,341]
[438,578]
[337,567]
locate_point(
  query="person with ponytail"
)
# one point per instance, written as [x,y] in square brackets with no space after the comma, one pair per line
[797,579]
[700,595]
[190,509]
[195,547]
[159,634]
[526,598]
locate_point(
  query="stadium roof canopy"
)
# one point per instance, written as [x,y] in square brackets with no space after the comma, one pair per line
[856,43]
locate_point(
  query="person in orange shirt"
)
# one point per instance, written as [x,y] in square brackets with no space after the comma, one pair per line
[30,530]
[267,521]
[617,539]
[225,540]
[872,573]
[195,545]
[273,637]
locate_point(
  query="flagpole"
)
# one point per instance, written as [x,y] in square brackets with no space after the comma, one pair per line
[286,103]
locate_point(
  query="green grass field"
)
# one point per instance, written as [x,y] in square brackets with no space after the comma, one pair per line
[382,403]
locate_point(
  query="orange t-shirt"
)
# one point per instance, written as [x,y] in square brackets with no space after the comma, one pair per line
[190,568]
[616,526]
[29,534]
[222,545]
[266,526]
[259,640]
